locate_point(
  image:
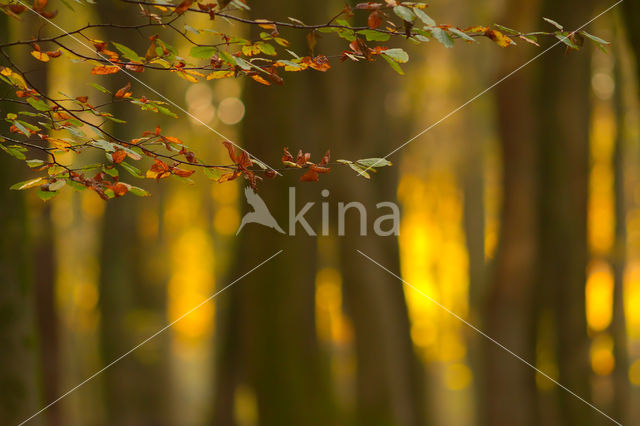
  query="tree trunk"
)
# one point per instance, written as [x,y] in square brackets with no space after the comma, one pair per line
[19,378]
[136,388]
[509,316]
[564,111]
[272,311]
[389,378]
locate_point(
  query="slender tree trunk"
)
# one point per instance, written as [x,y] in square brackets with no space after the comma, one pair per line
[618,322]
[135,390]
[272,311]
[389,378]
[564,111]
[509,315]
[19,372]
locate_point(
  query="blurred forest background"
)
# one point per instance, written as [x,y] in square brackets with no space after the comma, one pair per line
[520,213]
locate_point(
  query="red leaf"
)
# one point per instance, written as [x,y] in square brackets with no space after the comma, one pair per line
[374,20]
[182,7]
[181,172]
[310,176]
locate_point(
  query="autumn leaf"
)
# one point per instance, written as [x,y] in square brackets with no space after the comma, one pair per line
[265,24]
[181,172]
[309,176]
[374,20]
[124,91]
[158,170]
[38,5]
[105,69]
[118,156]
[119,189]
[41,56]
[260,79]
[182,7]
[54,53]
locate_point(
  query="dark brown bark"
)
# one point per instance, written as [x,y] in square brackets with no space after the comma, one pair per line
[389,378]
[19,372]
[618,325]
[509,315]
[564,110]
[272,311]
[135,391]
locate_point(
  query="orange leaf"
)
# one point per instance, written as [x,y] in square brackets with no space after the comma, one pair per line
[173,139]
[124,91]
[38,5]
[118,156]
[310,176]
[54,53]
[181,172]
[119,189]
[266,24]
[105,69]
[261,80]
[182,7]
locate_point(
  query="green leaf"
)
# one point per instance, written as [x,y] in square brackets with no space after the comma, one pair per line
[424,17]
[442,36]
[102,144]
[266,48]
[372,35]
[563,38]
[13,152]
[393,64]
[404,13]
[597,40]
[111,171]
[226,56]
[594,38]
[28,125]
[213,173]
[76,186]
[361,171]
[245,65]
[27,183]
[133,170]
[138,191]
[191,29]
[397,55]
[374,162]
[127,53]
[202,52]
[554,23]
[461,34]
[46,195]
[506,29]
[34,163]
[38,104]
[54,186]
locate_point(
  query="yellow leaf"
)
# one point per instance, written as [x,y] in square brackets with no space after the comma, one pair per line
[220,74]
[266,24]
[15,78]
[59,143]
[41,56]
